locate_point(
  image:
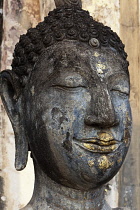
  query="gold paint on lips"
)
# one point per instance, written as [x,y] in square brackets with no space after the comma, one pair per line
[105,136]
[102,143]
[97,148]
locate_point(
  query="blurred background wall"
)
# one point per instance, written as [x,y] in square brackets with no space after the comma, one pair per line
[123,16]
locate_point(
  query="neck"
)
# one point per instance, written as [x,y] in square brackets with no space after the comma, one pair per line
[51,195]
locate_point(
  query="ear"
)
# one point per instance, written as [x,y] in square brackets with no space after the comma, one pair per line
[10,89]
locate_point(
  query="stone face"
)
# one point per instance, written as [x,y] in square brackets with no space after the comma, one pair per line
[81,114]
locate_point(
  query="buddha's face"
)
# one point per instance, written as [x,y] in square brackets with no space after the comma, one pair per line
[78,116]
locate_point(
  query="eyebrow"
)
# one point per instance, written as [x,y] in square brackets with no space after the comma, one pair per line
[119,74]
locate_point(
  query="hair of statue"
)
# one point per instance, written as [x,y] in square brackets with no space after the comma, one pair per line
[71,23]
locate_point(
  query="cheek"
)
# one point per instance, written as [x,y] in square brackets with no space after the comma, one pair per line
[64,106]
[123,113]
[62,111]
[122,107]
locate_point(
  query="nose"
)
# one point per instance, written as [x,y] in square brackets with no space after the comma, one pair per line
[101,110]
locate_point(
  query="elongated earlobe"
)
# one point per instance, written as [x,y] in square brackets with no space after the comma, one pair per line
[10,89]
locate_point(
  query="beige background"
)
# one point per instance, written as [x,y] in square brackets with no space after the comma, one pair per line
[123,16]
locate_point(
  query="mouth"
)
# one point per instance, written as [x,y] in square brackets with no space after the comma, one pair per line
[96,145]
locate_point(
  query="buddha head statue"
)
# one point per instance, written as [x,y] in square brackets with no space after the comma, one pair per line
[67,97]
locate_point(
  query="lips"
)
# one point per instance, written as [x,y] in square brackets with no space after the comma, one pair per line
[98,145]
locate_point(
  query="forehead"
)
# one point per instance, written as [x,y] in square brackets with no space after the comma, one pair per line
[70,57]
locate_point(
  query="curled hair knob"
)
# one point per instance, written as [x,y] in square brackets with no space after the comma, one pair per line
[69,3]
[94,42]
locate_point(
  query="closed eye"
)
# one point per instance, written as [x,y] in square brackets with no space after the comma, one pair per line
[69,88]
[119,84]
[122,88]
[121,92]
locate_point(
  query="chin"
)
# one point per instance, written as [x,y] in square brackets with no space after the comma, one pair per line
[86,180]
[84,170]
